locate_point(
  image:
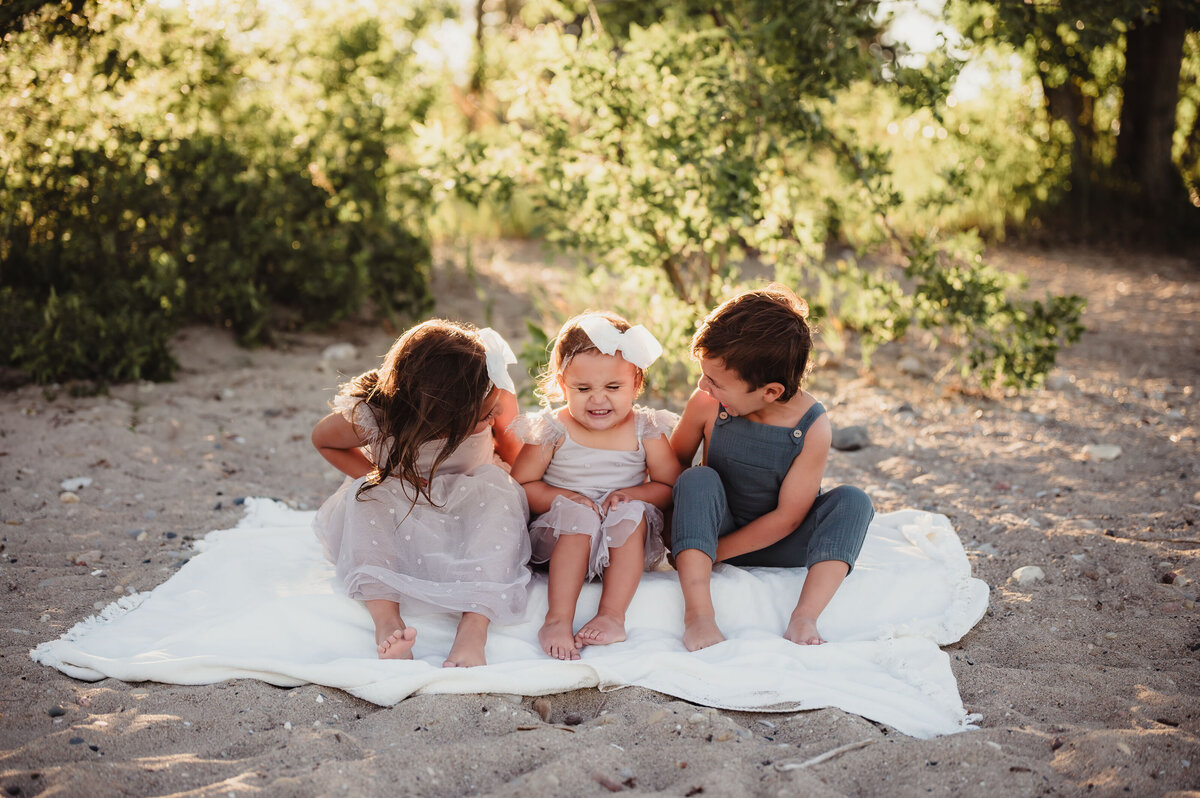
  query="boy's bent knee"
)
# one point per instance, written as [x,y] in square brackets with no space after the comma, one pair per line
[694,482]
[853,501]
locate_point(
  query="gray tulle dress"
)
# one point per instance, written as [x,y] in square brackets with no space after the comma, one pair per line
[467,551]
[594,473]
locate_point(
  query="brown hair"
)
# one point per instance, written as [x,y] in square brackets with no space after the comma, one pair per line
[763,335]
[571,341]
[431,385]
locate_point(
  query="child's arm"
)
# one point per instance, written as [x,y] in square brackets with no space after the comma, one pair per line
[663,469]
[338,442]
[689,432]
[508,445]
[796,495]
[529,468]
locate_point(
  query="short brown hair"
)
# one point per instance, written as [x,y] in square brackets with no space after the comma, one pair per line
[763,335]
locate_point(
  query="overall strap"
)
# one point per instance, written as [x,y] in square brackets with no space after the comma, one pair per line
[806,421]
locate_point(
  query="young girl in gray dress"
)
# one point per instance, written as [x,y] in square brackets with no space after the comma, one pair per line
[428,518]
[598,473]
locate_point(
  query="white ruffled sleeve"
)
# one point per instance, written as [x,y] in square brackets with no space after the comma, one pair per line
[356,411]
[651,422]
[538,428]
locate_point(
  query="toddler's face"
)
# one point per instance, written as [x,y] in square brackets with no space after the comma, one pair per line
[599,389]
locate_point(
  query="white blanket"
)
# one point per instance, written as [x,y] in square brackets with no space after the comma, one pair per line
[260,601]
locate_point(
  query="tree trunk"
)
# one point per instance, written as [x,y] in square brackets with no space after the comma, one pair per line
[1153,58]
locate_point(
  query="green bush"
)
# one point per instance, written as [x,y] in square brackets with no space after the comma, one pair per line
[167,171]
[697,143]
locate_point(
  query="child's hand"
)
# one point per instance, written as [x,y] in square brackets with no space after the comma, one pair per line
[615,498]
[579,498]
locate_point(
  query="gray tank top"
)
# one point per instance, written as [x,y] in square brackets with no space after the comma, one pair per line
[752,460]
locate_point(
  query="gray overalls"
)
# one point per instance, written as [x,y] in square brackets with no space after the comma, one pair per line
[746,464]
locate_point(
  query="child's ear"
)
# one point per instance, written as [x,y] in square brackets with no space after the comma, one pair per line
[772,391]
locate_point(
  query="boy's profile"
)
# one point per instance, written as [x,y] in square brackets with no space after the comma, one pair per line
[756,499]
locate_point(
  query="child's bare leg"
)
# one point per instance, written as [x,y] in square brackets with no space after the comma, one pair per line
[393,640]
[823,580]
[625,565]
[469,642]
[568,569]
[699,618]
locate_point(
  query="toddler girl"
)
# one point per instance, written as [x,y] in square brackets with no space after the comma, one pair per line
[598,473]
[428,518]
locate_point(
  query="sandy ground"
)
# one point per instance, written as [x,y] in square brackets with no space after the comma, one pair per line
[1087,681]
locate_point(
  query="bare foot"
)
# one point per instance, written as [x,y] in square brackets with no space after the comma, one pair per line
[601,630]
[701,633]
[469,642]
[398,645]
[557,640]
[465,654]
[803,631]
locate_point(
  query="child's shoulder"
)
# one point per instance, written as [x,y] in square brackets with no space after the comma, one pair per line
[539,427]
[702,402]
[653,422]
[357,411]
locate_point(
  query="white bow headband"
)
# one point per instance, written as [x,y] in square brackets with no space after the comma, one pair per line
[499,356]
[637,344]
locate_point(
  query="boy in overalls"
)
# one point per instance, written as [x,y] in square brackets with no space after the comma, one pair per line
[757,500]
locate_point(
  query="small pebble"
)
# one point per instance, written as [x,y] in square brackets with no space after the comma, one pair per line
[542,707]
[851,439]
[56,712]
[67,497]
[698,718]
[1028,574]
[75,483]
[1101,452]
[573,719]
[342,351]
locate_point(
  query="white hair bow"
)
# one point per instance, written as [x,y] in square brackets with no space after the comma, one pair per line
[637,344]
[499,356]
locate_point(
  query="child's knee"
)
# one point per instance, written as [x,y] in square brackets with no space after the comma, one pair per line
[855,503]
[694,482]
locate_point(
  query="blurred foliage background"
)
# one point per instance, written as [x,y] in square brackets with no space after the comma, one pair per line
[276,164]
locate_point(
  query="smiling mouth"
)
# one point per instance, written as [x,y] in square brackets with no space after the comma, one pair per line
[599,412]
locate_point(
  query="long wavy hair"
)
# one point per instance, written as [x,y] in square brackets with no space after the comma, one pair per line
[431,386]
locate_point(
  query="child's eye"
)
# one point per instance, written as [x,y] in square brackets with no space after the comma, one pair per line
[614,387]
